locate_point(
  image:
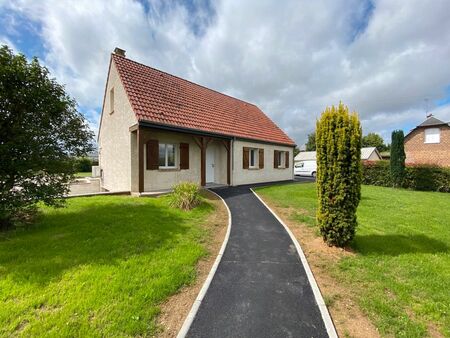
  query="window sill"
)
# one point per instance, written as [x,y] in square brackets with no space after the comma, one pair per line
[281,168]
[432,142]
[168,169]
[253,168]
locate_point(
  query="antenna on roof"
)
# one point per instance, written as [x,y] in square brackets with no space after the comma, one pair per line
[119,51]
[426,108]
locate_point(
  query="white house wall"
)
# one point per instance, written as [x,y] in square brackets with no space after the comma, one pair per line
[268,173]
[162,179]
[114,137]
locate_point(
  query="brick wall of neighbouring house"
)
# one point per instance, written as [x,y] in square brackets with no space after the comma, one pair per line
[418,152]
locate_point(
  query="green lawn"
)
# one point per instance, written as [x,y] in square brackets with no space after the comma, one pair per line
[400,274]
[99,267]
[83,174]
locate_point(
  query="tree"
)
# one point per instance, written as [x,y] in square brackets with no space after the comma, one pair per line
[374,140]
[397,158]
[339,174]
[296,151]
[311,144]
[41,134]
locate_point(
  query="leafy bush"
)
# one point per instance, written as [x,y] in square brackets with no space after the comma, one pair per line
[338,143]
[398,158]
[417,177]
[83,164]
[377,173]
[185,196]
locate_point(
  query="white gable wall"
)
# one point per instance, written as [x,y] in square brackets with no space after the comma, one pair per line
[115,137]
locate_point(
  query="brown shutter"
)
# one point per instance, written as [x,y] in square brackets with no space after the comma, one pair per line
[184,155]
[152,155]
[245,156]
[286,164]
[261,158]
[275,158]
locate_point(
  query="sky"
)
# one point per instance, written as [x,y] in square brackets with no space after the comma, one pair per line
[388,60]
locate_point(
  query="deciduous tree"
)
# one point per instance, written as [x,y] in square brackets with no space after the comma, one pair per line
[374,140]
[41,132]
[311,143]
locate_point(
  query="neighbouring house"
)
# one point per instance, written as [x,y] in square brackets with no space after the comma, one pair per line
[370,154]
[429,143]
[157,129]
[367,154]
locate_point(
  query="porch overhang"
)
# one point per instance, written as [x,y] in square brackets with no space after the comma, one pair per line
[201,138]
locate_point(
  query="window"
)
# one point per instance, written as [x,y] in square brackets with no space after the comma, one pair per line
[432,135]
[300,165]
[281,159]
[253,154]
[111,101]
[166,155]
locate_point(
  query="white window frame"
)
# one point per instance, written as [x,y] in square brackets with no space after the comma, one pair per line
[166,157]
[432,135]
[255,165]
[281,159]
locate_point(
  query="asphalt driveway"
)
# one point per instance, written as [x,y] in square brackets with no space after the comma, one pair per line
[260,288]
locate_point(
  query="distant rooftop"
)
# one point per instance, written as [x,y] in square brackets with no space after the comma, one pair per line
[311,155]
[431,121]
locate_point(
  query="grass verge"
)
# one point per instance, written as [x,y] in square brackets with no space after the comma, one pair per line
[397,271]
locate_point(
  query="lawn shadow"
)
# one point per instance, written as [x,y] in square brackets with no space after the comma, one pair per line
[94,234]
[395,245]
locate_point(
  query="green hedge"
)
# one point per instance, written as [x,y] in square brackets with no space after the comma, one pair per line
[417,177]
[83,164]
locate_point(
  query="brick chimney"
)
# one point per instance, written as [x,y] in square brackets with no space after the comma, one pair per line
[119,51]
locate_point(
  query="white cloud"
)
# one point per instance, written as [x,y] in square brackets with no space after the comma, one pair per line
[292,59]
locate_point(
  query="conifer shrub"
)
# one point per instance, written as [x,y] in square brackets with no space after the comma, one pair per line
[398,158]
[338,143]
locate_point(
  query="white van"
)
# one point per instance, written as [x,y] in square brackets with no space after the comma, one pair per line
[305,168]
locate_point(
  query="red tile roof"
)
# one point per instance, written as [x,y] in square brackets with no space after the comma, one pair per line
[162,98]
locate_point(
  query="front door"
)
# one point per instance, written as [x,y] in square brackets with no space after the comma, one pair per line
[210,155]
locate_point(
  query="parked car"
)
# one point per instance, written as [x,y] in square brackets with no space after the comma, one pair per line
[305,168]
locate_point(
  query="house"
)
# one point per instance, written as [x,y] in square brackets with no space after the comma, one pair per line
[157,129]
[367,154]
[370,154]
[429,143]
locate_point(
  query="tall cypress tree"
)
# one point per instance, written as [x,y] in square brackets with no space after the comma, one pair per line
[398,158]
[339,174]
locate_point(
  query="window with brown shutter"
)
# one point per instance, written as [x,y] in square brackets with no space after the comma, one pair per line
[275,158]
[261,158]
[184,155]
[286,162]
[152,154]
[245,152]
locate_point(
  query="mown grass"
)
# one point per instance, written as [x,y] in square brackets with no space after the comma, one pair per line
[400,274]
[99,267]
[83,174]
